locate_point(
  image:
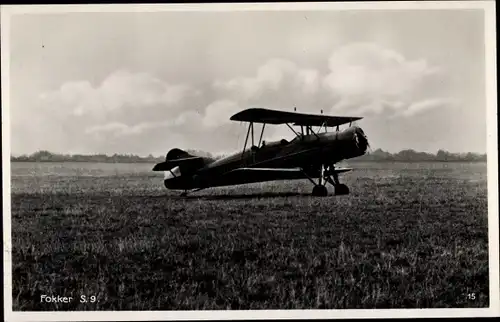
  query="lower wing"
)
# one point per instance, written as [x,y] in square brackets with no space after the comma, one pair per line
[251,175]
[339,170]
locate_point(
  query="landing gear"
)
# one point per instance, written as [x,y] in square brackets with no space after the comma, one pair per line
[320,191]
[328,174]
[341,189]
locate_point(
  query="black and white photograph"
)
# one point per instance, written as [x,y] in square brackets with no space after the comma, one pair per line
[236,161]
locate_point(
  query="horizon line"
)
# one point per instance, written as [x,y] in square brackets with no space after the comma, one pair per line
[219,153]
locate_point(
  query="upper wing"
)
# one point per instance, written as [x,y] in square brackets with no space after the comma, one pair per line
[262,115]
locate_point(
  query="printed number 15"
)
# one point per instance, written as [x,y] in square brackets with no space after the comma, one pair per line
[471,296]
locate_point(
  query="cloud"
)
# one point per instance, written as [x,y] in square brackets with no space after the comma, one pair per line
[214,115]
[219,113]
[368,78]
[425,105]
[361,78]
[119,129]
[274,77]
[120,90]
[126,107]
[189,117]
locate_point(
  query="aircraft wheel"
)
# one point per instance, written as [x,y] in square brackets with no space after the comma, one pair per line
[320,191]
[341,189]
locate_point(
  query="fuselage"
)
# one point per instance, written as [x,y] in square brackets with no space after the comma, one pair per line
[307,152]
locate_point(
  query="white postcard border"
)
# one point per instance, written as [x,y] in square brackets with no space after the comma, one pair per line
[492,166]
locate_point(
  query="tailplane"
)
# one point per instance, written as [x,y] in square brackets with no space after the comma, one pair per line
[182,159]
[176,154]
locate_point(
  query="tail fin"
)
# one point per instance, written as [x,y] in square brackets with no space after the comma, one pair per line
[190,162]
[177,157]
[176,153]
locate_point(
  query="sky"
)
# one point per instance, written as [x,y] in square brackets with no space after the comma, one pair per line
[147,82]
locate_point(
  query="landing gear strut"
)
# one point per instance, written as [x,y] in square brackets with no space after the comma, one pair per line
[340,188]
[328,174]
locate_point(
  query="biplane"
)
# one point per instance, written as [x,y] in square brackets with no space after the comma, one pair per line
[311,154]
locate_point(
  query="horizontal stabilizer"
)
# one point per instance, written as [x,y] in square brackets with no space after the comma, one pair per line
[170,164]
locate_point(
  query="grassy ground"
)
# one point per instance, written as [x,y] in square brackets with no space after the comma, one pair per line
[408,236]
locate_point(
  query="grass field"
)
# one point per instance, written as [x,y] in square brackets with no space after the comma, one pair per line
[408,236]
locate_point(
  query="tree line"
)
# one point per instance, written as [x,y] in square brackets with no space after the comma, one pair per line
[378,155]
[414,156]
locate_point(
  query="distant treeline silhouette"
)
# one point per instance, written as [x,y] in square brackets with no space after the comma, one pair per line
[414,156]
[376,156]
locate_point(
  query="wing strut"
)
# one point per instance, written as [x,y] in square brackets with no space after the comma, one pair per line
[251,125]
[291,128]
[310,130]
[246,139]
[251,131]
[323,124]
[262,133]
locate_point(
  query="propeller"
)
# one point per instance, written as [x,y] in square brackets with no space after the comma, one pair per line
[357,141]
